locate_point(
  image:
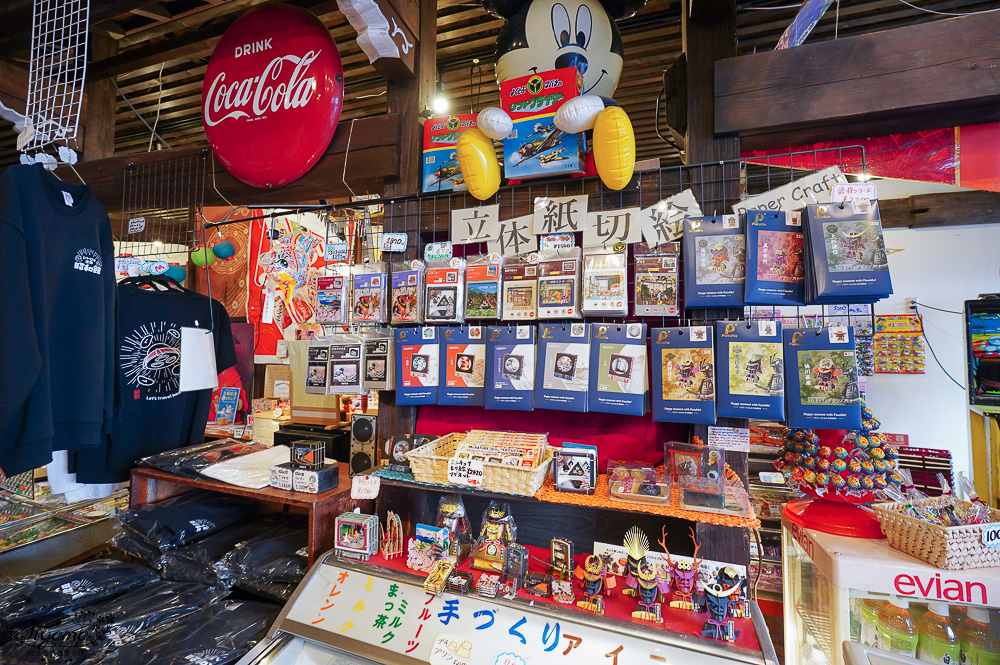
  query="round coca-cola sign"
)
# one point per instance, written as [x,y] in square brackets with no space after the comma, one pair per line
[272,95]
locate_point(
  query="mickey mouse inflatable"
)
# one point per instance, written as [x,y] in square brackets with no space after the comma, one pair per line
[542,35]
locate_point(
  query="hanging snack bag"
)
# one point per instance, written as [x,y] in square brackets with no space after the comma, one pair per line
[445,291]
[750,365]
[683,365]
[417,374]
[776,272]
[520,289]
[406,303]
[656,279]
[605,283]
[482,291]
[618,374]
[559,284]
[821,372]
[714,261]
[463,366]
[563,376]
[510,361]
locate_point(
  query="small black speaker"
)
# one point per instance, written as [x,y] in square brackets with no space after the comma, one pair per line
[363,442]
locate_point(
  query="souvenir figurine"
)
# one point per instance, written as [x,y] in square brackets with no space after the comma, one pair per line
[636,543]
[453,516]
[562,592]
[650,586]
[392,537]
[719,602]
[596,580]
[561,559]
[516,565]
[438,578]
[356,535]
[487,586]
[683,575]
[538,584]
[460,581]
[497,534]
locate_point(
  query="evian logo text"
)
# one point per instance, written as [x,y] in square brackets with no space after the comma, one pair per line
[284,84]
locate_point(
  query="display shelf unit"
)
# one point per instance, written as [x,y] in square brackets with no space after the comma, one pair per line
[152,486]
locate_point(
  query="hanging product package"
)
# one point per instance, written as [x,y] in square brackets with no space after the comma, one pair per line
[482,294]
[559,283]
[445,291]
[369,295]
[463,366]
[605,282]
[378,360]
[345,364]
[406,305]
[714,261]
[821,374]
[618,374]
[331,299]
[563,375]
[510,367]
[750,367]
[683,365]
[520,289]
[417,374]
[189,461]
[845,251]
[317,367]
[656,279]
[44,598]
[184,518]
[775,269]
[218,634]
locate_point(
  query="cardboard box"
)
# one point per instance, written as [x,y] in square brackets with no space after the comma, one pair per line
[535,147]
[316,481]
[440,170]
[279,476]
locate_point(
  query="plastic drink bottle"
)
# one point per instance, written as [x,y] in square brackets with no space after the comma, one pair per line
[869,621]
[896,631]
[936,639]
[979,646]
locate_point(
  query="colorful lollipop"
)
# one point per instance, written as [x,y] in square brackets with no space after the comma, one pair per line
[837,481]
[839,465]
[840,452]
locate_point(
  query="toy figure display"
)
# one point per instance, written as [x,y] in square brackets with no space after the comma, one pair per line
[684,576]
[497,534]
[538,37]
[438,577]
[392,537]
[562,592]
[722,600]
[356,535]
[561,559]
[643,580]
[596,581]
[451,515]
[429,545]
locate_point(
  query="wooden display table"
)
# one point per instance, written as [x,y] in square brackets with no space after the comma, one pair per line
[153,486]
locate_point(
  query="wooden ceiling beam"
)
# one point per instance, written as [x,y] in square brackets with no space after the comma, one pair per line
[946,209]
[919,77]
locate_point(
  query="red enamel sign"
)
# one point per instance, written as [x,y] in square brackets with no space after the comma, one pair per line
[272,95]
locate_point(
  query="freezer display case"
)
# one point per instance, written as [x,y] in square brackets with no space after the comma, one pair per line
[346,612]
[841,591]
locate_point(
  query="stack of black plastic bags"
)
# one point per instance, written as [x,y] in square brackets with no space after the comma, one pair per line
[216,573]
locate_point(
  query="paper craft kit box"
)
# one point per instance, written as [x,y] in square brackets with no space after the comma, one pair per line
[441,172]
[536,147]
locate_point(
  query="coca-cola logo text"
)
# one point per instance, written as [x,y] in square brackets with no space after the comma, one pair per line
[259,94]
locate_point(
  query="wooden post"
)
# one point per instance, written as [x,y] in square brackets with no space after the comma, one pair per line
[99,118]
[708,33]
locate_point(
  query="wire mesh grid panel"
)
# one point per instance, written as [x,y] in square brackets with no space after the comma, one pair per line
[56,72]
[160,205]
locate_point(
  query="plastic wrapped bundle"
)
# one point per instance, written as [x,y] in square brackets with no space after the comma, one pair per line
[43,599]
[185,518]
[191,460]
[270,565]
[196,561]
[219,634]
[138,548]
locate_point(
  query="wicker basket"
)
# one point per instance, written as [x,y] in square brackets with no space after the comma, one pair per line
[429,464]
[953,547]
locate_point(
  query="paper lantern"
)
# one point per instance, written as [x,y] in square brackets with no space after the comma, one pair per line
[224,249]
[201,257]
[177,272]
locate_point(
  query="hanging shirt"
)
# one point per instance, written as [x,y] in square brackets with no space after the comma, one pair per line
[153,415]
[57,295]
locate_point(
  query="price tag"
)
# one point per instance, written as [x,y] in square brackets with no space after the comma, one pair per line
[335,251]
[557,241]
[438,251]
[25,135]
[729,438]
[136,224]
[451,650]
[991,535]
[771,478]
[458,470]
[282,389]
[855,192]
[365,487]
[238,432]
[267,316]
[394,242]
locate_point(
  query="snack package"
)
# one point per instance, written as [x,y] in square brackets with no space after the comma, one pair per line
[821,375]
[714,261]
[520,290]
[378,363]
[559,284]
[406,304]
[482,290]
[510,361]
[683,375]
[845,250]
[417,374]
[750,365]
[463,366]
[618,373]
[445,291]
[331,299]
[775,269]
[369,295]
[656,279]
[563,376]
[605,283]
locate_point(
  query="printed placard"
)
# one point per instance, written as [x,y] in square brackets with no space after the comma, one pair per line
[813,188]
[365,487]
[664,221]
[335,252]
[608,227]
[469,225]
[438,251]
[394,242]
[514,237]
[559,214]
[136,224]
[729,438]
[991,535]
[557,241]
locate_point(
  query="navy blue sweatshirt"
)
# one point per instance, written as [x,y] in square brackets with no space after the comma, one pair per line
[57,295]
